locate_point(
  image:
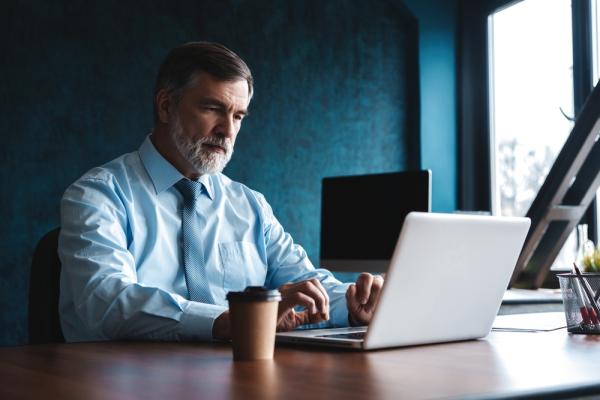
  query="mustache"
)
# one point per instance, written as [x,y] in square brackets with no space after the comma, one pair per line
[217,141]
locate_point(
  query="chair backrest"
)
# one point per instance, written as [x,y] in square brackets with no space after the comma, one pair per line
[44,285]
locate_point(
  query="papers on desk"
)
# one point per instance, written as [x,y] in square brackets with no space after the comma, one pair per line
[527,296]
[532,322]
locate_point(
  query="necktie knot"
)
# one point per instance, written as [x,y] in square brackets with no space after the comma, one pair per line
[189,189]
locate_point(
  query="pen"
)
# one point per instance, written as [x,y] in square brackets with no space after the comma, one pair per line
[594,311]
[589,290]
[583,310]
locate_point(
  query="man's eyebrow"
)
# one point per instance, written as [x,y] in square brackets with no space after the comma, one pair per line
[214,102]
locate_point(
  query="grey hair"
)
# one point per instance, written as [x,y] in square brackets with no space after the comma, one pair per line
[179,69]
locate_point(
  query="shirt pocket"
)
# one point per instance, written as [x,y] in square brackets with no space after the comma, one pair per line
[242,265]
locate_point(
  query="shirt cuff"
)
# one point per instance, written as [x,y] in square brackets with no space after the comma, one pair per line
[198,319]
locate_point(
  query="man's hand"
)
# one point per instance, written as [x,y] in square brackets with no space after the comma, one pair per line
[362,297]
[309,294]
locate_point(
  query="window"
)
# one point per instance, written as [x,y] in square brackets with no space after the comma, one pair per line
[596,76]
[530,44]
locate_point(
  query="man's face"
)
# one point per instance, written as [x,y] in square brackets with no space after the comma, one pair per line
[206,121]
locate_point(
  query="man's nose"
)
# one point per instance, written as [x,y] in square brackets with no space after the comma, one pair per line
[227,126]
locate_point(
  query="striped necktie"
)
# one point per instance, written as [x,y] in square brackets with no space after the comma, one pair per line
[193,255]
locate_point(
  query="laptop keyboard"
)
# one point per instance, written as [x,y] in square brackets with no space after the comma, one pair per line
[351,335]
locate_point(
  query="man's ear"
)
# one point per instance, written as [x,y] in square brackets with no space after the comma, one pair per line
[163,105]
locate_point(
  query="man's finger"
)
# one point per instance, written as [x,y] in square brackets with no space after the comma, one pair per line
[319,296]
[285,287]
[351,299]
[303,318]
[297,299]
[319,286]
[289,319]
[311,289]
[376,288]
[354,307]
[363,287]
[285,320]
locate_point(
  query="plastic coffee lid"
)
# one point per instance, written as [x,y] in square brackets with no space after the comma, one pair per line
[255,293]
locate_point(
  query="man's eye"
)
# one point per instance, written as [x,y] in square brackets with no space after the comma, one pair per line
[239,117]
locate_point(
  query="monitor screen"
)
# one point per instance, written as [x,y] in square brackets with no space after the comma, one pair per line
[361,217]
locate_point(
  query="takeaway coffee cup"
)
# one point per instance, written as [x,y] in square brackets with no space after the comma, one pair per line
[253,319]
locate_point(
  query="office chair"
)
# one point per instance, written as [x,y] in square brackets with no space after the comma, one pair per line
[44,284]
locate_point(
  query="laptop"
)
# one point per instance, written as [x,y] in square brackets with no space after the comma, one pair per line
[445,282]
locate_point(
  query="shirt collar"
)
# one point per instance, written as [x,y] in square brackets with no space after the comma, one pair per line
[162,173]
[207,182]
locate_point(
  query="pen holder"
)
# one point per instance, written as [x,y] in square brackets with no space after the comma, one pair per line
[578,292]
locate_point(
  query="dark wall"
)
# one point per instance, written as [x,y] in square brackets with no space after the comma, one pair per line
[335,94]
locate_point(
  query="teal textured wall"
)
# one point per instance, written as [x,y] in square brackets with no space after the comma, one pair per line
[333,103]
[332,98]
[438,32]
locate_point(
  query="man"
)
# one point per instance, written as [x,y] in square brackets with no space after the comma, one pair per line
[151,242]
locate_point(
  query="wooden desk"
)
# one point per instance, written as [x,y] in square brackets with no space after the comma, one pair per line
[505,364]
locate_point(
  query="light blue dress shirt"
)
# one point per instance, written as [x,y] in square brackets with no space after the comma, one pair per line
[122,263]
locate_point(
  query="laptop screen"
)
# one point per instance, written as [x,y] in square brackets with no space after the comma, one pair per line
[361,217]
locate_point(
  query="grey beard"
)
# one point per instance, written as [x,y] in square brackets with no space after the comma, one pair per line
[204,161]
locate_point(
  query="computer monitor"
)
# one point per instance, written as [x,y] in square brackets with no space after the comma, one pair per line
[361,217]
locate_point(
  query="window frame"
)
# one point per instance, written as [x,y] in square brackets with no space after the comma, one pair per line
[474,142]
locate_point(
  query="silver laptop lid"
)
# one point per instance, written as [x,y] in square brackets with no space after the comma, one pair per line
[446,278]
